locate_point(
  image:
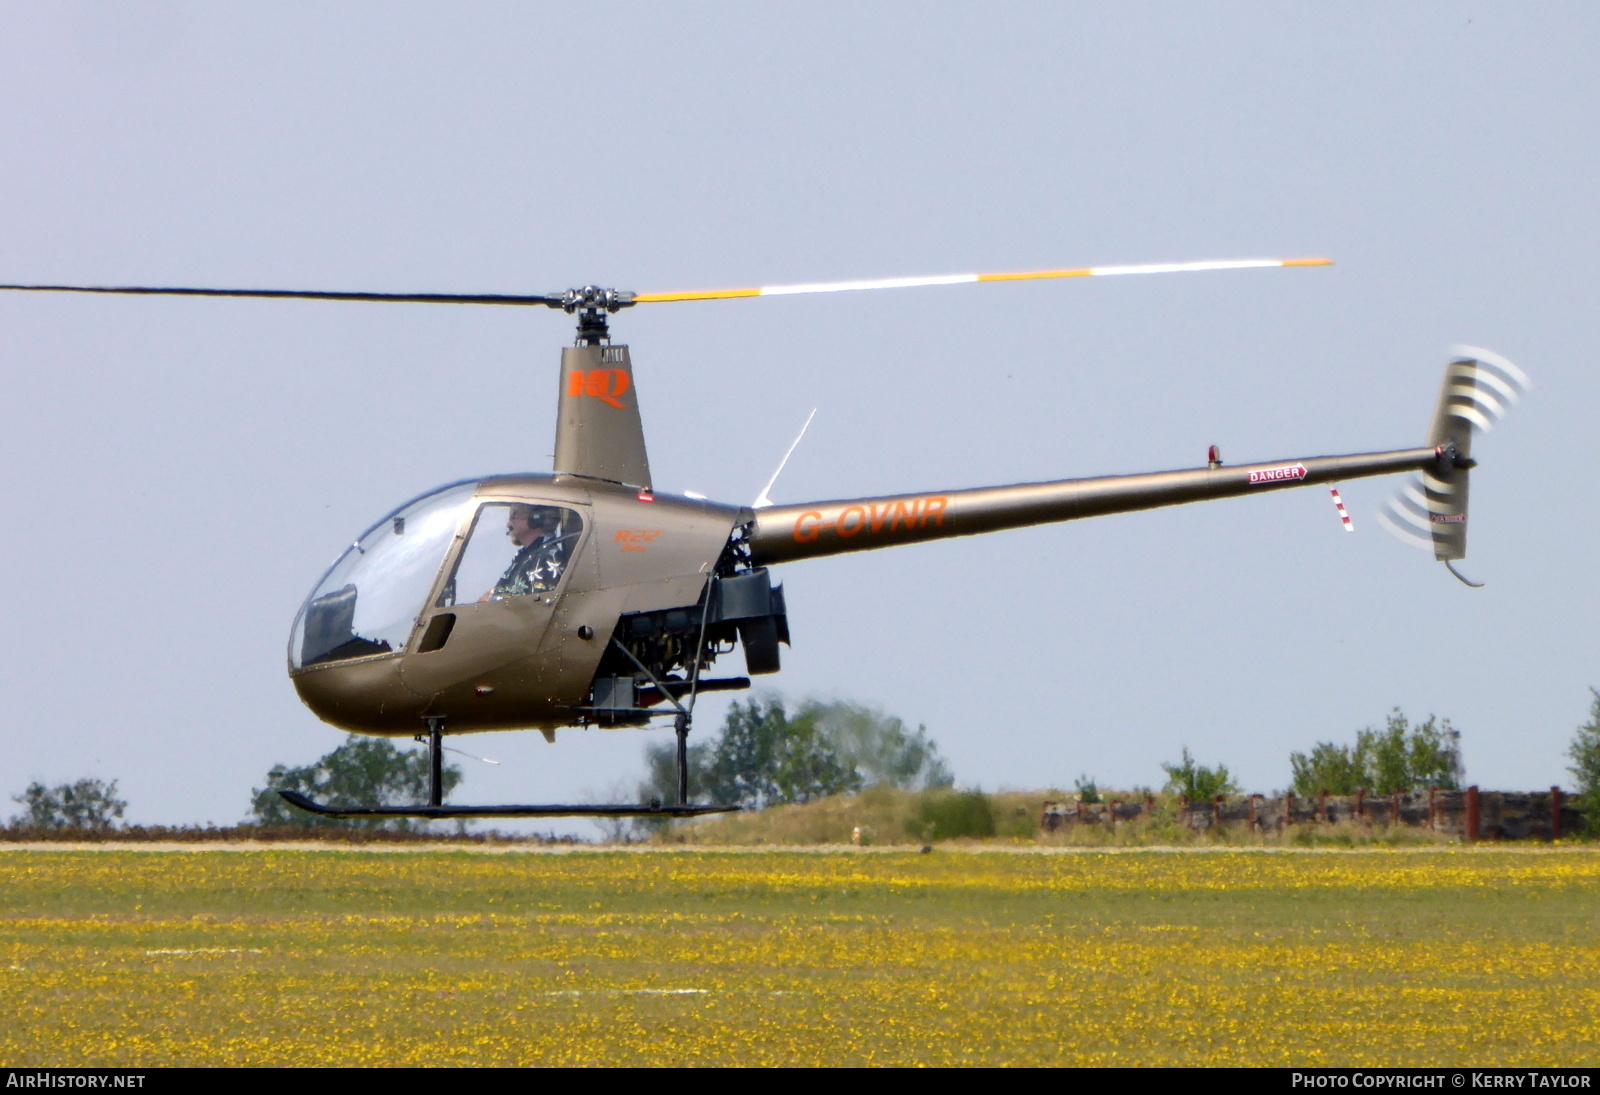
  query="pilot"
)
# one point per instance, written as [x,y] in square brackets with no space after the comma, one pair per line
[541,551]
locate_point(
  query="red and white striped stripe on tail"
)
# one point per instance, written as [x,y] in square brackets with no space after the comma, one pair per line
[1344,514]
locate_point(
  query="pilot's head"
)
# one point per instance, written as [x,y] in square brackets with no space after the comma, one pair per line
[527,524]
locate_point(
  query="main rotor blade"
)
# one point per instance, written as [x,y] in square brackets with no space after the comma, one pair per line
[967,279]
[296,294]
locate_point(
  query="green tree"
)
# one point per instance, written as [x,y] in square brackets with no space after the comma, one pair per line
[1400,757]
[1088,789]
[1336,769]
[1585,755]
[883,751]
[86,804]
[1196,782]
[763,756]
[364,771]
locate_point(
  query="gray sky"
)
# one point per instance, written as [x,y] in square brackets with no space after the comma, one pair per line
[178,473]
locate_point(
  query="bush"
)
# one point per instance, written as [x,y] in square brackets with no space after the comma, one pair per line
[947,815]
[87,804]
[1196,782]
[1401,757]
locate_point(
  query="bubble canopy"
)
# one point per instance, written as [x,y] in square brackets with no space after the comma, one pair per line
[368,601]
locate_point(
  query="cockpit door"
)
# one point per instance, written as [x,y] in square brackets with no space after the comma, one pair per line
[498,593]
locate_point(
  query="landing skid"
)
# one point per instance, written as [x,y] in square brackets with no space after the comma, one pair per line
[295,798]
[435,807]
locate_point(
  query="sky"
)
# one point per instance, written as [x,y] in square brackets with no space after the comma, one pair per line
[178,473]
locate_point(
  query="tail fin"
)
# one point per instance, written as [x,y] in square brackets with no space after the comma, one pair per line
[598,433]
[1430,509]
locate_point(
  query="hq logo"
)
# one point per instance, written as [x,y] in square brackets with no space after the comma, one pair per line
[603,384]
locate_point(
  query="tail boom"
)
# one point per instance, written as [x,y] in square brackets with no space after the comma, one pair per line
[786,533]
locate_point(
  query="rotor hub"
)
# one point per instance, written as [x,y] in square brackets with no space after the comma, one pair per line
[592,298]
[592,304]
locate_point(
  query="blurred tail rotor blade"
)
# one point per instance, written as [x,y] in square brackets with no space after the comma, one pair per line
[1406,515]
[1482,386]
[968,279]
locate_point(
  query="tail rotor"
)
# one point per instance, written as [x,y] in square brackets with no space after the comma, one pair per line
[1430,509]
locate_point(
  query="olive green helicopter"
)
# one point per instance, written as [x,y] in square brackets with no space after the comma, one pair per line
[585,598]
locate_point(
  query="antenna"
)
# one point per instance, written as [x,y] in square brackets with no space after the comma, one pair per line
[765,497]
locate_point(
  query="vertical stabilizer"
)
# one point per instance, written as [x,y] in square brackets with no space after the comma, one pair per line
[598,431]
[1430,510]
[1443,498]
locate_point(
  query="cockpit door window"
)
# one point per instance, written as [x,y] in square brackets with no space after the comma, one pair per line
[515,549]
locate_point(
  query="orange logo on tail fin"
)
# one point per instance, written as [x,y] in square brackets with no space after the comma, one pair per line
[603,384]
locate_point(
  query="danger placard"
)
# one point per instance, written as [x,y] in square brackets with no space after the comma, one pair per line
[1278,475]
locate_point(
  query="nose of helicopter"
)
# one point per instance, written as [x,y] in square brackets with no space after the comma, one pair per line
[364,696]
[345,647]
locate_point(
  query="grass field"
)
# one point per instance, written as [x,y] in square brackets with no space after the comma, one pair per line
[1378,957]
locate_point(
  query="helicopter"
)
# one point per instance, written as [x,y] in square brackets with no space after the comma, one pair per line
[584,598]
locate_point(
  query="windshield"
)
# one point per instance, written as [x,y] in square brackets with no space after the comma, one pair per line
[370,598]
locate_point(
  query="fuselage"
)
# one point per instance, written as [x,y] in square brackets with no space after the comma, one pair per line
[439,611]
